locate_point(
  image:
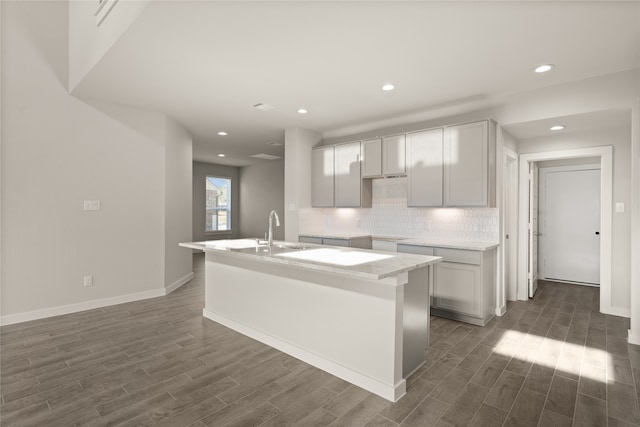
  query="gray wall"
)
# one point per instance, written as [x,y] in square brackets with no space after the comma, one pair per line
[177,202]
[59,151]
[261,190]
[200,172]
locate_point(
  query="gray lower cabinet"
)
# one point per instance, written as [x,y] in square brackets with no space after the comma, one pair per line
[463,283]
[349,242]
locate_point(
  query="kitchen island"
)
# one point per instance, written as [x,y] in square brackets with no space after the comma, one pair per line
[360,315]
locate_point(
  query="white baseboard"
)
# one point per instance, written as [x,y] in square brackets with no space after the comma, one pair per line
[175,285]
[616,311]
[386,391]
[633,338]
[500,311]
[90,305]
[82,306]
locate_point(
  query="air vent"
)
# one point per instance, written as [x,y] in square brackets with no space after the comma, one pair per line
[274,144]
[266,156]
[103,9]
[263,107]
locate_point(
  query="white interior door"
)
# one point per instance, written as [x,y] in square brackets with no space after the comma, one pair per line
[533,229]
[570,224]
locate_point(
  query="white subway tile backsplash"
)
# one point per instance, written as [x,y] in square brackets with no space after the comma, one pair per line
[390,216]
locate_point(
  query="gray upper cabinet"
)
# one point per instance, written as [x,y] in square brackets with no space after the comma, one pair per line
[322,168]
[425,168]
[466,165]
[371,158]
[393,155]
[449,166]
[348,181]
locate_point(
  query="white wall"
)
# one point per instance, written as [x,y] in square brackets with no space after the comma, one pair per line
[608,92]
[88,42]
[200,172]
[620,139]
[261,190]
[177,202]
[59,151]
[297,176]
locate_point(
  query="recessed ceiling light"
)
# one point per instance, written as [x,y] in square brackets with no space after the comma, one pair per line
[302,111]
[388,86]
[557,127]
[221,155]
[544,68]
[222,133]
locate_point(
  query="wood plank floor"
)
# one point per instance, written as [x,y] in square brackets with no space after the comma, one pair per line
[552,361]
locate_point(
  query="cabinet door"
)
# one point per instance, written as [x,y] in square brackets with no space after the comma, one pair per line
[393,155]
[466,165]
[371,158]
[347,175]
[457,287]
[384,245]
[322,166]
[424,168]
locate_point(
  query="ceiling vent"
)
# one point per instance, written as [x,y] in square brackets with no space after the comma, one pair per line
[275,144]
[266,156]
[263,107]
[103,9]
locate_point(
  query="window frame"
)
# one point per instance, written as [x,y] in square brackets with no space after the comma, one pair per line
[229,209]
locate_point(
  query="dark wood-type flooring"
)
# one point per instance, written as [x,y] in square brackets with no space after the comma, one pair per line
[551,361]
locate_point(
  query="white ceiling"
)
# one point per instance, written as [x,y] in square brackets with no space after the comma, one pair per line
[205,63]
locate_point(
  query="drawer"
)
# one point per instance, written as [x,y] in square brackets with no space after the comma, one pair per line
[460,256]
[307,239]
[411,249]
[384,245]
[336,242]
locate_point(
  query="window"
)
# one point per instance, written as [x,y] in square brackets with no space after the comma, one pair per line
[218,204]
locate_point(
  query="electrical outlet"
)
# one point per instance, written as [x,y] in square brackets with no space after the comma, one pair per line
[88,281]
[426,225]
[358,222]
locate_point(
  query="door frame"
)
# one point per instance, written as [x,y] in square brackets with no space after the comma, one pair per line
[606,202]
[570,168]
[510,208]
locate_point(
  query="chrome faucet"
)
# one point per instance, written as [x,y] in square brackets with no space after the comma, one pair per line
[271,215]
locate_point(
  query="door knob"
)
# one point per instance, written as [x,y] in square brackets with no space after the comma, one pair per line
[597,233]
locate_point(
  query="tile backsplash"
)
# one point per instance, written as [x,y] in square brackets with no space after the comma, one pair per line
[390,216]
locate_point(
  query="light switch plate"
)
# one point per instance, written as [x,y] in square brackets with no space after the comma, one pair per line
[619,207]
[92,205]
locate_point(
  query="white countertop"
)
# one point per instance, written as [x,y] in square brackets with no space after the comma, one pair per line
[453,244]
[345,236]
[419,241]
[361,263]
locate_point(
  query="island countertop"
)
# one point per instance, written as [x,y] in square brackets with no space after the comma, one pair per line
[352,262]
